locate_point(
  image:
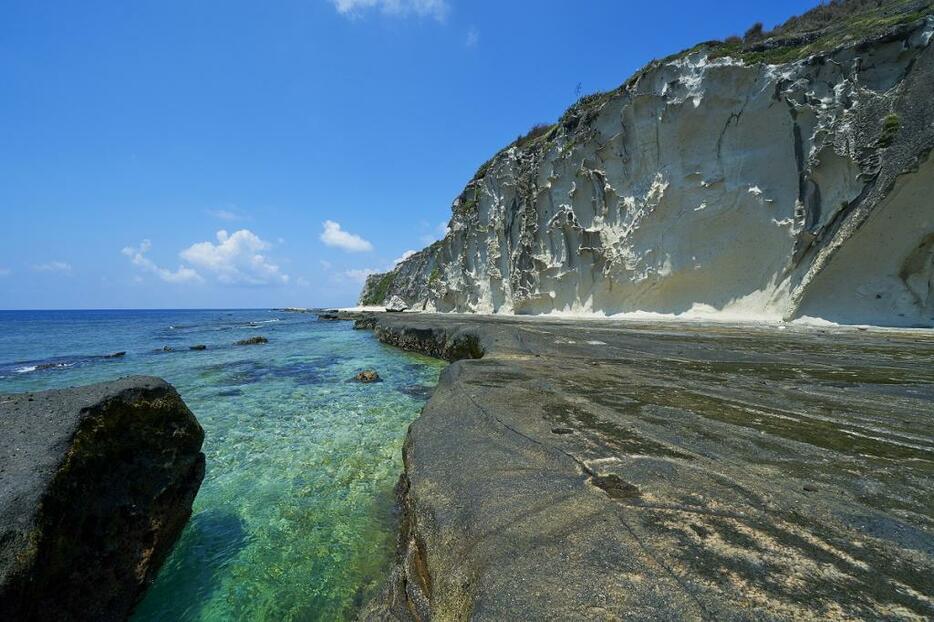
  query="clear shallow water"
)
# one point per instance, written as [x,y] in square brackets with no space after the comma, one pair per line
[294,518]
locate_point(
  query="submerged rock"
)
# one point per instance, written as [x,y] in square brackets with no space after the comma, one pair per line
[418,391]
[96,484]
[367,377]
[365,322]
[396,305]
[199,346]
[252,341]
[115,355]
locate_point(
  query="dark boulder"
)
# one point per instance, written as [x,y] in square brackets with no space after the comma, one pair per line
[367,376]
[252,341]
[96,484]
[199,347]
[365,322]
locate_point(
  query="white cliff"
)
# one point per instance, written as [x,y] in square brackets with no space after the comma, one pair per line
[709,184]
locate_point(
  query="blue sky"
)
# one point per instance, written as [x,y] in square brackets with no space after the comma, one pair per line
[225,153]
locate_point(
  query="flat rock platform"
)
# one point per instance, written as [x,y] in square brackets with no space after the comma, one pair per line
[571,469]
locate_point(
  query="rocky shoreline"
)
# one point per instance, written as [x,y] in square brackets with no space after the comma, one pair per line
[96,484]
[594,470]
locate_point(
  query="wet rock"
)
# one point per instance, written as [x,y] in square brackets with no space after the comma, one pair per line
[96,484]
[252,341]
[199,346]
[396,305]
[365,323]
[367,377]
[167,349]
[448,345]
[115,355]
[350,316]
[329,316]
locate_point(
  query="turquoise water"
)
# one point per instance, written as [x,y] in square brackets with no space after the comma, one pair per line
[294,518]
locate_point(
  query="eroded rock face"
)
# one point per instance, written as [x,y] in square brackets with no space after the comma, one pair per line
[96,484]
[396,305]
[709,185]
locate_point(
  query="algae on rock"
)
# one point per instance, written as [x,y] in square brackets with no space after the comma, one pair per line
[97,484]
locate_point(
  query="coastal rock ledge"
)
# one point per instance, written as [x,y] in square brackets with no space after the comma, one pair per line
[96,484]
[611,470]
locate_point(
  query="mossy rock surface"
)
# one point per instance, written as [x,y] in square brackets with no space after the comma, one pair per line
[96,484]
[377,294]
[252,341]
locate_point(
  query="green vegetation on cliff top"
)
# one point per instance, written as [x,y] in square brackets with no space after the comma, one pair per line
[822,29]
[378,293]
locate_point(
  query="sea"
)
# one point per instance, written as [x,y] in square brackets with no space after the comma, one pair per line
[295,518]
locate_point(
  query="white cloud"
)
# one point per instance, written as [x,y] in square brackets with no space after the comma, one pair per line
[235,259]
[333,235]
[52,266]
[229,215]
[402,257]
[437,9]
[137,255]
[473,37]
[359,275]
